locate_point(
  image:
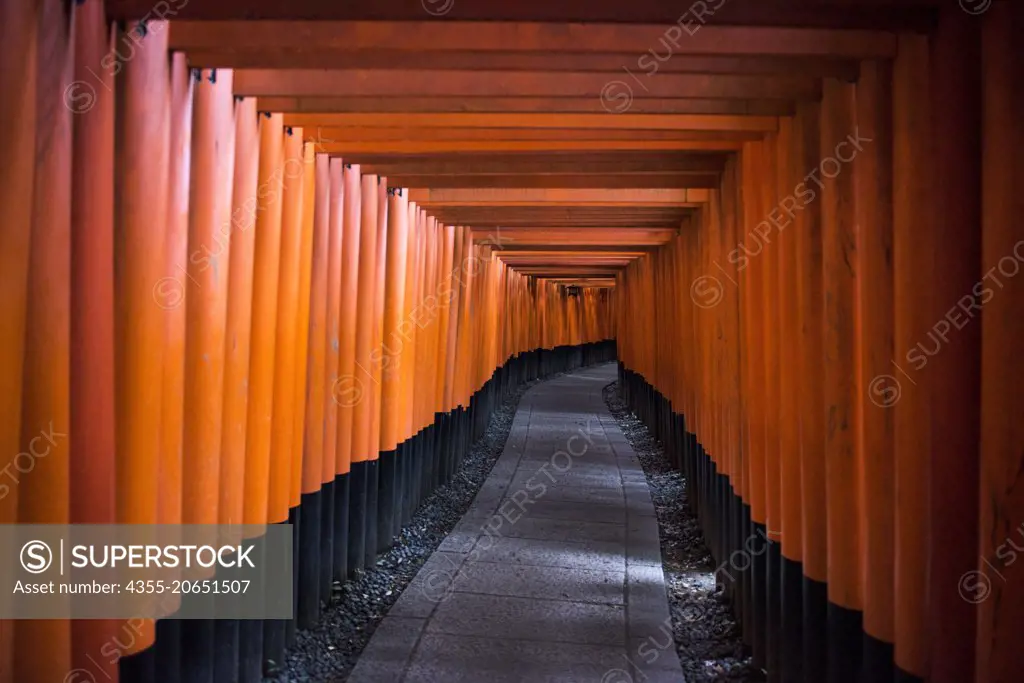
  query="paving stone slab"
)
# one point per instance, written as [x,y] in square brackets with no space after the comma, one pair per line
[451,659]
[432,585]
[561,529]
[576,494]
[386,655]
[593,555]
[594,512]
[471,614]
[542,583]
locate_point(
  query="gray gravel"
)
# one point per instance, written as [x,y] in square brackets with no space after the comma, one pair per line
[708,639]
[329,652]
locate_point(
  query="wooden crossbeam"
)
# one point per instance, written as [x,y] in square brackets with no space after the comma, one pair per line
[594,235]
[581,281]
[346,149]
[541,163]
[610,63]
[566,271]
[557,215]
[385,82]
[639,105]
[341,134]
[497,36]
[561,181]
[636,198]
[864,14]
[602,121]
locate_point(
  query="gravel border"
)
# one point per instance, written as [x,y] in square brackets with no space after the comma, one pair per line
[708,639]
[329,651]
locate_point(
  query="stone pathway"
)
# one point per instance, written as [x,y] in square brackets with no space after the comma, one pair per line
[553,575]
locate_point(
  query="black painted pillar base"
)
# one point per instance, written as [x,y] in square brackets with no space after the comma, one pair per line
[357,518]
[398,503]
[404,466]
[250,631]
[342,504]
[274,645]
[792,621]
[759,594]
[845,644]
[441,471]
[291,625]
[326,541]
[815,646]
[430,481]
[250,651]
[197,649]
[902,676]
[139,667]
[406,455]
[749,594]
[225,656]
[275,631]
[415,491]
[386,490]
[878,660]
[372,482]
[168,650]
[307,607]
[774,629]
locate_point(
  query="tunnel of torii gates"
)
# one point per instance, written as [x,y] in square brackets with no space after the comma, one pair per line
[268,262]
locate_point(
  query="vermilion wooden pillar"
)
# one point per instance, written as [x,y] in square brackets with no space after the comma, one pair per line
[406,361]
[266,263]
[445,294]
[321,381]
[285,381]
[467,274]
[751,263]
[303,379]
[93,420]
[171,291]
[239,313]
[169,294]
[230,509]
[789,219]
[362,416]
[378,536]
[905,390]
[18,51]
[1001,505]
[19,21]
[766,231]
[317,381]
[42,649]
[347,392]
[141,139]
[451,366]
[264,317]
[955,369]
[213,160]
[841,409]
[874,325]
[289,390]
[394,298]
[808,235]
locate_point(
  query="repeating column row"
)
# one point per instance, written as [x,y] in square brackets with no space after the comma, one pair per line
[207,321]
[826,347]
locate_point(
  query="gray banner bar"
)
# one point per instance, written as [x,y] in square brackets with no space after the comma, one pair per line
[138,571]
